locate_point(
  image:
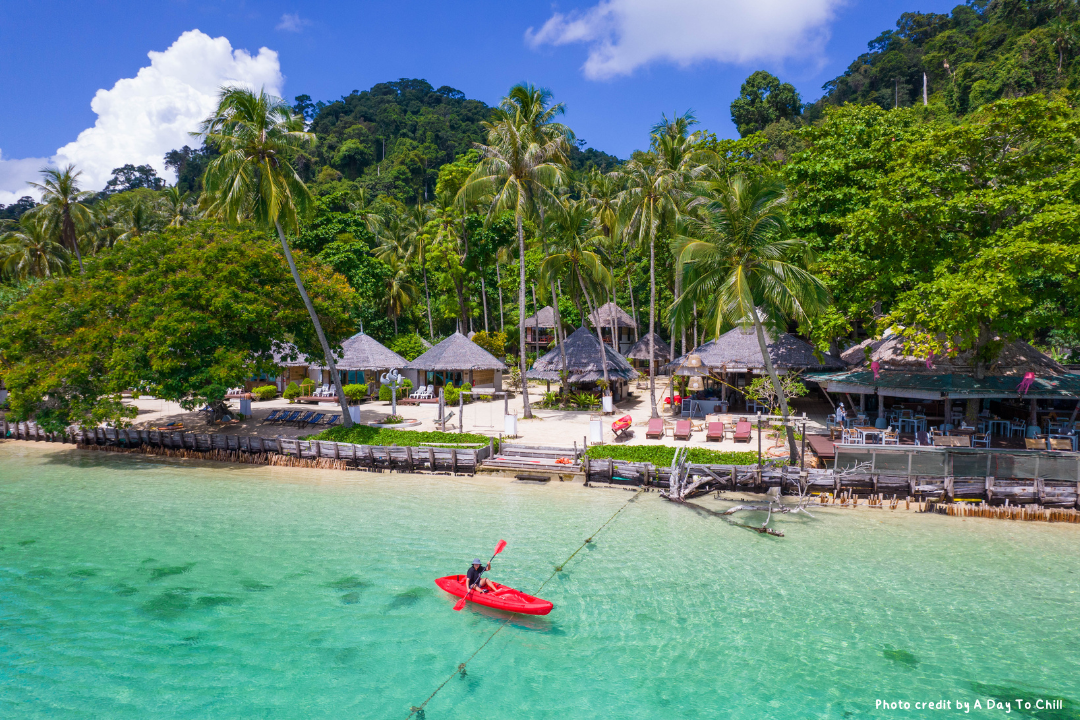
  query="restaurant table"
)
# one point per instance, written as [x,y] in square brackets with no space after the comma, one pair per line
[869,430]
[1070,438]
[1004,425]
[962,431]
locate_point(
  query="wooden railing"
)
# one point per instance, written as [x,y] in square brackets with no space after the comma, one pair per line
[371,457]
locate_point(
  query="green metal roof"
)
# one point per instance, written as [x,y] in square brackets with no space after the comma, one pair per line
[895,382]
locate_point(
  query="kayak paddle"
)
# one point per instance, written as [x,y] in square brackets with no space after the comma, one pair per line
[461,603]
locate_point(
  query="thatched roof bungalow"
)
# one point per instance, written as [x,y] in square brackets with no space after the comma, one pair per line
[583,362]
[737,351]
[540,329]
[640,350]
[611,314]
[458,360]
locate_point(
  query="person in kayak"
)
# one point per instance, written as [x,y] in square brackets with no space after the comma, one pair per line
[474,577]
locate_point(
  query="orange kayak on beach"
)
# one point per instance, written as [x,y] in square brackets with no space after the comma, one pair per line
[501,598]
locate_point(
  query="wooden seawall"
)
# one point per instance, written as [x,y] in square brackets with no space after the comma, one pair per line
[263,451]
[691,480]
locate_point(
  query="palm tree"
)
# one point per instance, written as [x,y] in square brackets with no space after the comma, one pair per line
[575,235]
[32,250]
[400,289]
[744,269]
[523,159]
[644,203]
[176,206]
[253,179]
[62,205]
[417,219]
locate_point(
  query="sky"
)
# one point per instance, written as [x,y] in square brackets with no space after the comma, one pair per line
[100,84]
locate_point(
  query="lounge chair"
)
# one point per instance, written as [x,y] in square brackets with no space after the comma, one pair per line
[621,427]
[682,430]
[291,417]
[743,430]
[656,429]
[715,432]
[303,419]
[273,416]
[315,420]
[332,420]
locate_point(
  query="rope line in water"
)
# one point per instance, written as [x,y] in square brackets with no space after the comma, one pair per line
[418,710]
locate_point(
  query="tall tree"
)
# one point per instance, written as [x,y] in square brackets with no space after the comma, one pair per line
[763,100]
[62,205]
[31,250]
[744,269]
[523,159]
[575,234]
[253,178]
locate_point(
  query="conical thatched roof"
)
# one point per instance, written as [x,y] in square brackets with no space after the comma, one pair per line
[363,352]
[640,349]
[544,317]
[456,352]
[1015,359]
[583,361]
[738,350]
[604,312]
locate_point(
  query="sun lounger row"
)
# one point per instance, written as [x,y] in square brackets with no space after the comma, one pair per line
[301,418]
[683,430]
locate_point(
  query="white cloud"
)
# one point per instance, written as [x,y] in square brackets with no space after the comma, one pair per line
[292,22]
[624,35]
[139,119]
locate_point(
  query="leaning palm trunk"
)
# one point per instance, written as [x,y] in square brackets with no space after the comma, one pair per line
[498,281]
[597,327]
[346,419]
[652,321]
[793,452]
[70,236]
[633,310]
[559,337]
[527,412]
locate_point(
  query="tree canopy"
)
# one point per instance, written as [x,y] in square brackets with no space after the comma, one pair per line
[183,314]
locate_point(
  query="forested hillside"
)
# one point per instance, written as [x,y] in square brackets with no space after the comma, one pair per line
[980,52]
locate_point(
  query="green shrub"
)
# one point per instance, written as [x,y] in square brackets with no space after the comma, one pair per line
[366,435]
[355,392]
[662,455]
[451,394]
[408,346]
[292,391]
[264,392]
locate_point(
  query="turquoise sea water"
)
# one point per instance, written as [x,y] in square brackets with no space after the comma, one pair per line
[137,588]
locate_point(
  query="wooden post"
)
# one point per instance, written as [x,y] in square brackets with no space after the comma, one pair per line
[759,444]
[610,469]
[802,453]
[280,447]
[408,458]
[588,470]
[461,412]
[431,459]
[989,489]
[453,461]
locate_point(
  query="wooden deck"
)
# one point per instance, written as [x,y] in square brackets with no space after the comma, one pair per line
[822,446]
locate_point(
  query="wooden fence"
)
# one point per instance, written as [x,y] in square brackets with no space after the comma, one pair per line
[270,451]
[696,479]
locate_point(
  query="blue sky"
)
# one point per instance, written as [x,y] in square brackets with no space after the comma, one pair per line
[617,64]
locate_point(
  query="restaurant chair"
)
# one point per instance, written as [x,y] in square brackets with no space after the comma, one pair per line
[981,439]
[1035,443]
[1060,444]
[923,438]
[890,437]
[1018,427]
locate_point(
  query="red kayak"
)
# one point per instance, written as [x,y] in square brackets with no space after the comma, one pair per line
[501,598]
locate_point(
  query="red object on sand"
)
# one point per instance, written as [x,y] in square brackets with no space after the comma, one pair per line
[502,598]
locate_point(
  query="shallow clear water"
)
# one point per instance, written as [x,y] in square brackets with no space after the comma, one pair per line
[135,588]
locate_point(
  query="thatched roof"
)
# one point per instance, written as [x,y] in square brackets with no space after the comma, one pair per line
[738,349]
[583,361]
[287,355]
[604,312]
[640,349]
[544,317]
[1015,359]
[363,352]
[456,352]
